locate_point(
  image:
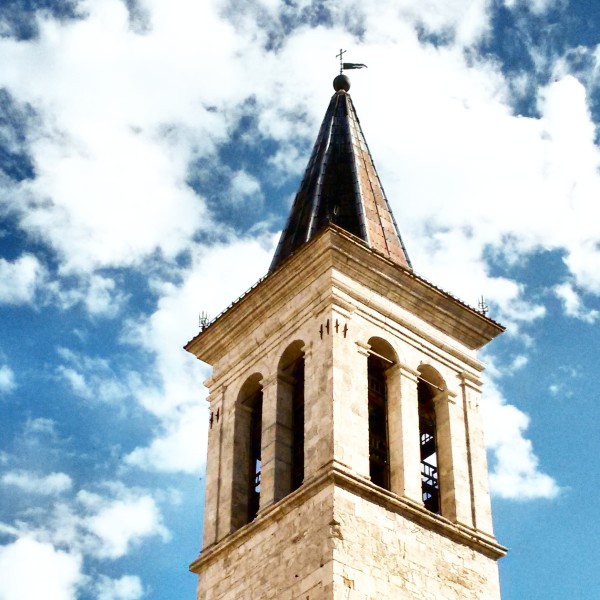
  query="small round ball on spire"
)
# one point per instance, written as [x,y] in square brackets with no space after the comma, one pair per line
[341,82]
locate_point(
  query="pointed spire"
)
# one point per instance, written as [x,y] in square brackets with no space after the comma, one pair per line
[341,186]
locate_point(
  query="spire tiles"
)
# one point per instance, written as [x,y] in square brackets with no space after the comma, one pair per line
[341,187]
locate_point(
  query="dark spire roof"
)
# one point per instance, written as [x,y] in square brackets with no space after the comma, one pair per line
[341,186]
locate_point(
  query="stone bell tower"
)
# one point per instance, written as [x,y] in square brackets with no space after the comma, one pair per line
[345,450]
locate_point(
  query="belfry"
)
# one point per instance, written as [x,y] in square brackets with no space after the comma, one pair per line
[345,449]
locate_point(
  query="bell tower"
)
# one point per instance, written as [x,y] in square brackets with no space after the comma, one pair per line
[345,449]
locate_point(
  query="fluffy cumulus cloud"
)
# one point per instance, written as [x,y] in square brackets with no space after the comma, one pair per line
[104,524]
[114,525]
[109,148]
[51,484]
[127,587]
[57,573]
[92,378]
[176,447]
[19,279]
[514,470]
[573,303]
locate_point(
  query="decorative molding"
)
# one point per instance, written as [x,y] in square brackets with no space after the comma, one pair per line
[363,348]
[334,474]
[408,373]
[470,380]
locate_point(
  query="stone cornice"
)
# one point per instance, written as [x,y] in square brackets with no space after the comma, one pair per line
[325,263]
[335,474]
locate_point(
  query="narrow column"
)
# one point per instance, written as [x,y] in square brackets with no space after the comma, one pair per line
[480,495]
[351,405]
[284,438]
[213,467]
[318,409]
[268,450]
[233,510]
[455,490]
[403,424]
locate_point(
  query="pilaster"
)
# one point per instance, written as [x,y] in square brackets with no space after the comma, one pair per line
[481,505]
[269,440]
[350,404]
[224,522]
[213,478]
[318,408]
[453,464]
[403,424]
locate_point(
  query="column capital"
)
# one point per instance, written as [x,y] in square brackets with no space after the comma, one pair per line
[447,395]
[285,378]
[341,305]
[394,369]
[470,380]
[363,348]
[407,372]
[216,394]
[267,382]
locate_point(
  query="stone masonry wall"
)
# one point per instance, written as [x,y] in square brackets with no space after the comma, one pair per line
[283,555]
[379,554]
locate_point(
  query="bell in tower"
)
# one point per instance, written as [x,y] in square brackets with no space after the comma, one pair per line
[345,450]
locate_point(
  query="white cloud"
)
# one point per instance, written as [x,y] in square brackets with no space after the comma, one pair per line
[102,298]
[515,472]
[179,446]
[7,379]
[468,21]
[245,187]
[105,524]
[128,587]
[115,525]
[40,425]
[93,378]
[54,483]
[518,363]
[573,304]
[536,6]
[20,279]
[57,573]
[117,133]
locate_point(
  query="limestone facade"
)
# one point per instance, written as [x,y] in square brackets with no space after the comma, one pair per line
[338,535]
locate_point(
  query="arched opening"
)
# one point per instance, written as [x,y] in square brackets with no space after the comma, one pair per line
[381,358]
[247,452]
[429,386]
[289,472]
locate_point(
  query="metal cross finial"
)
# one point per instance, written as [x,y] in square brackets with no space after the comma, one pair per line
[342,52]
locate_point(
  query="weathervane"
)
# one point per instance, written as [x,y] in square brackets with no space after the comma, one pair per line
[347,66]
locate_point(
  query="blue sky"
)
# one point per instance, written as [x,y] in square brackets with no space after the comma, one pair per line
[149,152]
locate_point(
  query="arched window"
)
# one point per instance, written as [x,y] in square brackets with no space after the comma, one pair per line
[429,386]
[247,452]
[381,358]
[289,453]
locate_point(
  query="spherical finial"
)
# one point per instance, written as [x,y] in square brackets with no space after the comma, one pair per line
[341,82]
